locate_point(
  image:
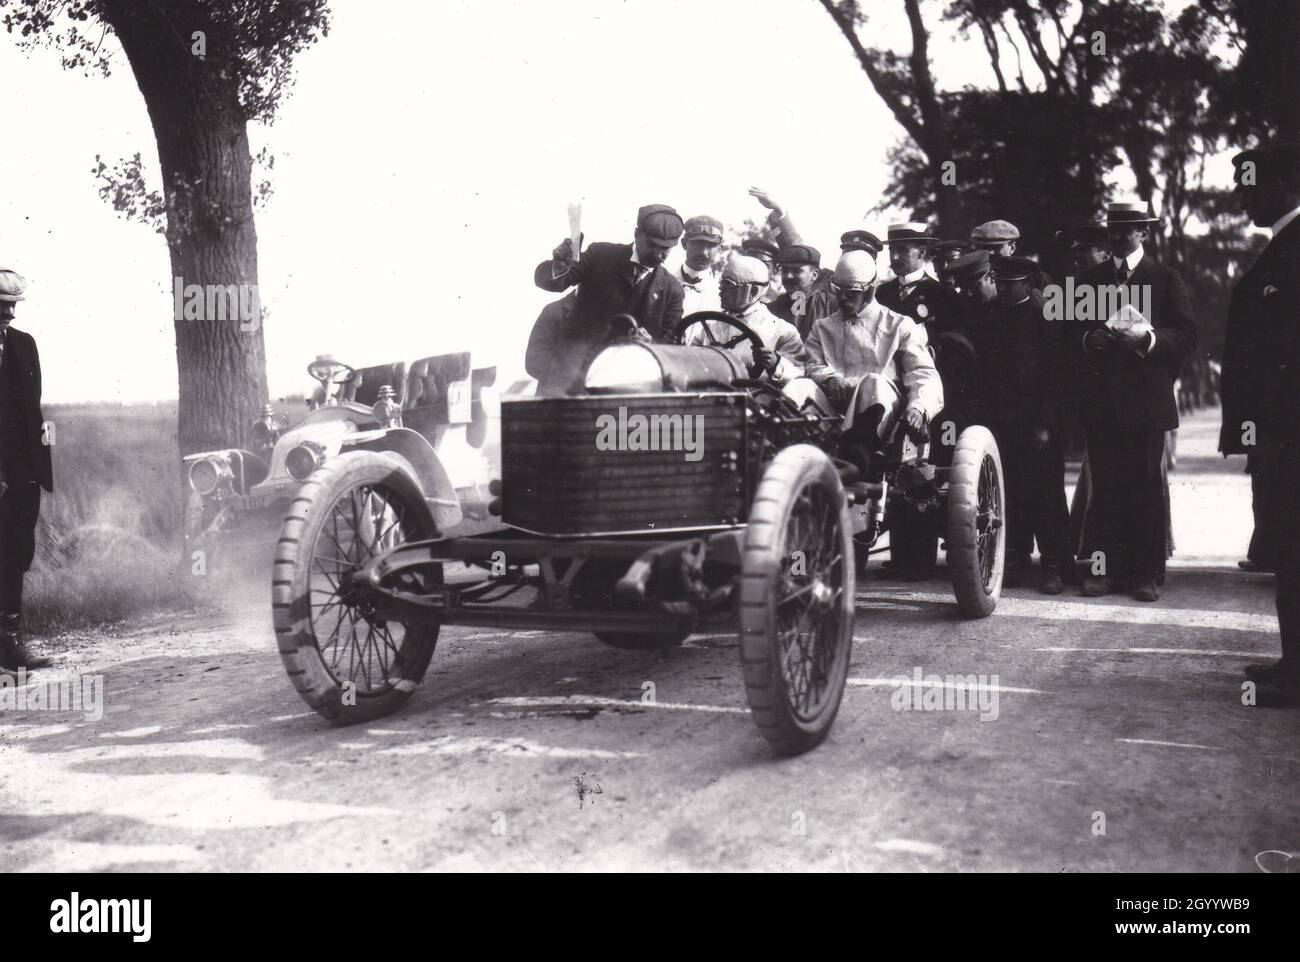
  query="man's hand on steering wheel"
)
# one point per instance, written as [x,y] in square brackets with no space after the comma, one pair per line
[766,358]
[678,335]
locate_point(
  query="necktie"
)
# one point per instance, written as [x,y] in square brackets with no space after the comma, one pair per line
[1122,271]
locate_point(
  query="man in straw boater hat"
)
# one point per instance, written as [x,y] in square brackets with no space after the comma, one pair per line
[1130,361]
[911,290]
[1261,388]
[25,468]
[612,279]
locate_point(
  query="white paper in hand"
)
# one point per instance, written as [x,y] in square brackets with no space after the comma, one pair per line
[1129,318]
[575,228]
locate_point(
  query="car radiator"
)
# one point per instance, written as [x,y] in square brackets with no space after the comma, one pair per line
[624,464]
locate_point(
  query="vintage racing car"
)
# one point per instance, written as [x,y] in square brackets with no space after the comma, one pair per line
[430,413]
[679,490]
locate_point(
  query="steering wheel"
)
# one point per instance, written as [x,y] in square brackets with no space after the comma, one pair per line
[326,370]
[756,368]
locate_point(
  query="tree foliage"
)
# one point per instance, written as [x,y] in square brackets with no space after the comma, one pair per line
[1080,93]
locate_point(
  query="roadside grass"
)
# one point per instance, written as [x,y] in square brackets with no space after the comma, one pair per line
[108,541]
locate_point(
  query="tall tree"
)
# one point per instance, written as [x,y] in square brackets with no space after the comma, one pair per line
[906,85]
[206,70]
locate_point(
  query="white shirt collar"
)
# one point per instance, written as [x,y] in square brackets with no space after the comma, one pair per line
[907,280]
[1131,260]
[636,260]
[1286,219]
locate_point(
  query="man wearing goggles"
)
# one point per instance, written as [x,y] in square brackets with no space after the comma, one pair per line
[872,363]
[744,279]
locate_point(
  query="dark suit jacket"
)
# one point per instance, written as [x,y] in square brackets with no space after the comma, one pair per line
[1122,386]
[812,306]
[544,339]
[929,303]
[1020,358]
[1261,357]
[605,288]
[20,351]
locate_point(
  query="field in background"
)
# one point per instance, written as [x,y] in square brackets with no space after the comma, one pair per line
[109,537]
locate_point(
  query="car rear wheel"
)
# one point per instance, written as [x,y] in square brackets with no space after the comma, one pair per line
[346,663]
[976,522]
[796,600]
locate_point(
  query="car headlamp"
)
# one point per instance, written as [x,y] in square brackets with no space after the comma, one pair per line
[208,474]
[303,459]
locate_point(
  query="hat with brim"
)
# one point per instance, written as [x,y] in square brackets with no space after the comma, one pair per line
[995,233]
[797,255]
[1084,235]
[912,232]
[967,267]
[860,240]
[704,228]
[1013,268]
[12,285]
[1270,162]
[1126,212]
[758,247]
[950,247]
[660,223]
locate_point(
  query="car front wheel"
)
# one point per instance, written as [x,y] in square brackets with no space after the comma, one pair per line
[796,600]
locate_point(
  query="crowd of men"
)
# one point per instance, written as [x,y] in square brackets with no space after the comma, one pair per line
[964,333]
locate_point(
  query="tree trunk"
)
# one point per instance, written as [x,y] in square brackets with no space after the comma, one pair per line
[202,138]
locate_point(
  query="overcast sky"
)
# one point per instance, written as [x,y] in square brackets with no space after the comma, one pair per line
[423,164]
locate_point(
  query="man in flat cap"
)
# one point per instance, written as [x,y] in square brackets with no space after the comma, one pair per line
[1261,387]
[911,290]
[25,468]
[1129,364]
[744,279]
[805,298]
[612,279]
[1021,374]
[1000,238]
[702,241]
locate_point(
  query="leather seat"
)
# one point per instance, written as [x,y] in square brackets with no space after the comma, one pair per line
[427,383]
[364,386]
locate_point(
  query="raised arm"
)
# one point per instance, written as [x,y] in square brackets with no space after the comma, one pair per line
[560,272]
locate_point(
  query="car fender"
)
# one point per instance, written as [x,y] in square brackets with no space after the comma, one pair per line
[425,466]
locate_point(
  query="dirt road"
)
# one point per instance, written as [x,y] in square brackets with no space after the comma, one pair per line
[1119,742]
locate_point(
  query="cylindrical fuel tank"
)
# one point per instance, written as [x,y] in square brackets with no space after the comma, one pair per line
[628,367]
